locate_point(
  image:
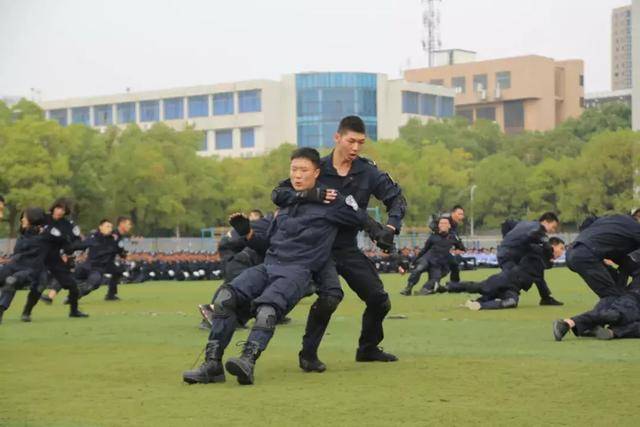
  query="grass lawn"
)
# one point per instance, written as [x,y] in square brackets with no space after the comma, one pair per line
[123,365]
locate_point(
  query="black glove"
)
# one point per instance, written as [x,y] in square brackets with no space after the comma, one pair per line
[315,195]
[385,239]
[240,223]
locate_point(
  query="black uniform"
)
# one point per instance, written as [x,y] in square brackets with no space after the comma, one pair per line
[434,258]
[502,290]
[100,261]
[453,260]
[298,244]
[611,237]
[621,313]
[516,244]
[65,237]
[362,181]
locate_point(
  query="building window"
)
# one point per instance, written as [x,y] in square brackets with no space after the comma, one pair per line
[222,103]
[149,111]
[102,115]
[173,108]
[247,138]
[513,116]
[446,106]
[224,139]
[249,101]
[581,102]
[479,82]
[428,105]
[581,79]
[486,113]
[81,115]
[126,112]
[310,135]
[410,103]
[459,84]
[503,80]
[467,114]
[59,116]
[437,82]
[198,106]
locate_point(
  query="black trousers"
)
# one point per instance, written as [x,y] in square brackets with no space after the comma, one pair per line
[508,261]
[590,267]
[62,273]
[454,267]
[614,311]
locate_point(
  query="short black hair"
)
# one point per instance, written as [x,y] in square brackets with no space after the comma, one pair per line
[34,215]
[352,123]
[61,202]
[553,241]
[308,153]
[1,199]
[456,207]
[122,219]
[257,212]
[103,220]
[549,217]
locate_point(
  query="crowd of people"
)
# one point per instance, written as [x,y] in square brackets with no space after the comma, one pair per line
[268,263]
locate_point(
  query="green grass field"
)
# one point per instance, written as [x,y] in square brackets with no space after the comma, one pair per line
[123,365]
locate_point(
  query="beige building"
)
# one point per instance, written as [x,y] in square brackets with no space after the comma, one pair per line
[251,118]
[621,61]
[521,93]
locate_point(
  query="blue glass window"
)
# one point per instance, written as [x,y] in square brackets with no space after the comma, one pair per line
[224,139]
[149,111]
[198,106]
[249,101]
[247,138]
[126,112]
[102,115]
[81,115]
[173,108]
[410,102]
[59,116]
[325,98]
[222,103]
[428,105]
[446,106]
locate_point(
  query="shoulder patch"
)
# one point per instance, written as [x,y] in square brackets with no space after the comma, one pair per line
[351,201]
[75,230]
[369,161]
[121,244]
[55,232]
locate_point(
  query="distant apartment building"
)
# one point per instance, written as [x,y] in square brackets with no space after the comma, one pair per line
[521,93]
[621,51]
[250,118]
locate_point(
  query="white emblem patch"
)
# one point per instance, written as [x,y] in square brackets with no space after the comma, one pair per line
[120,244]
[75,230]
[351,201]
[55,232]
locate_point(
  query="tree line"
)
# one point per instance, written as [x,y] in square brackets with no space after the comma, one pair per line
[584,166]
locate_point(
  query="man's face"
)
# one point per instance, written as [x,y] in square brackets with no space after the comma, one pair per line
[58,213]
[444,226]
[125,226]
[550,226]
[458,216]
[105,228]
[254,216]
[349,143]
[303,174]
[558,250]
[24,222]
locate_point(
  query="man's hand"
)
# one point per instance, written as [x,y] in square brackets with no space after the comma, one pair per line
[240,223]
[318,195]
[384,239]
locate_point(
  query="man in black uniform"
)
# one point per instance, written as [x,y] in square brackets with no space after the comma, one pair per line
[516,243]
[457,218]
[123,229]
[66,240]
[435,258]
[502,290]
[350,174]
[298,244]
[610,237]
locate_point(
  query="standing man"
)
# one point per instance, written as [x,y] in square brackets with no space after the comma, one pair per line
[123,229]
[456,217]
[518,236]
[351,175]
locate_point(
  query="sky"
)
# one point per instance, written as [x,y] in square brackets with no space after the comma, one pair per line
[77,48]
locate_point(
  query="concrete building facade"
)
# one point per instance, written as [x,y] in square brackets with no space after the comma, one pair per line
[521,93]
[621,48]
[250,118]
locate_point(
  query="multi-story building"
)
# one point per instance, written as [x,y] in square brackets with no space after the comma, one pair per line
[621,61]
[522,93]
[597,99]
[635,108]
[250,118]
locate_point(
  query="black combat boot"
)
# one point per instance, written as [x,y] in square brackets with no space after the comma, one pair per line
[311,364]
[550,301]
[242,367]
[560,329]
[374,354]
[407,291]
[32,300]
[211,371]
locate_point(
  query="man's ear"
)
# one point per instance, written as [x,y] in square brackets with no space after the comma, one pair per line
[316,173]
